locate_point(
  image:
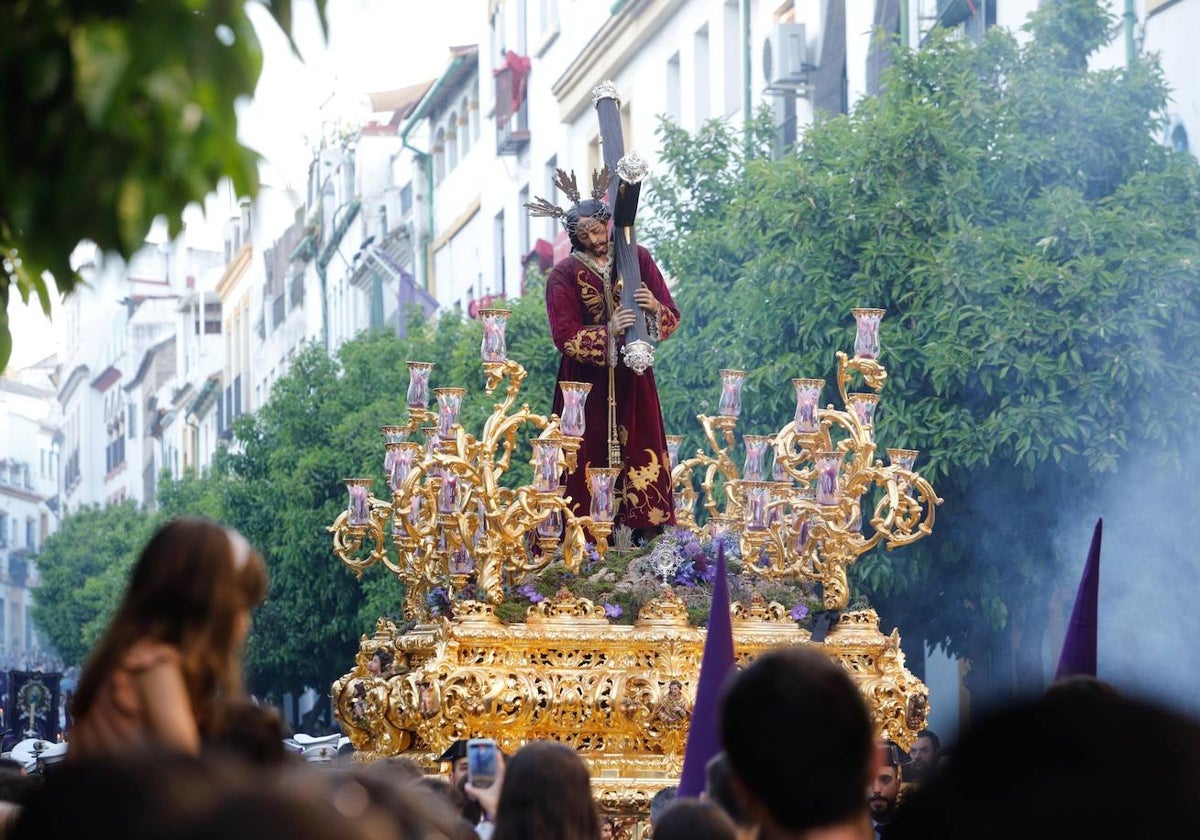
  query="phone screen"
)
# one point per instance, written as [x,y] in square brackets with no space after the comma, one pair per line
[481,762]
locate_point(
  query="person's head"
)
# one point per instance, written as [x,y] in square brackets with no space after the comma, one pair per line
[719,789]
[660,801]
[456,756]
[608,828]
[145,794]
[884,790]
[691,819]
[546,794]
[794,713]
[1084,684]
[192,587]
[307,806]
[922,755]
[399,768]
[1073,786]
[252,733]
[587,225]
[413,812]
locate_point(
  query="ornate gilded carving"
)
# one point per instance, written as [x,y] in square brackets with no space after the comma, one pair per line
[621,695]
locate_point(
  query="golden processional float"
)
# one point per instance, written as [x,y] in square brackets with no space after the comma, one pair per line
[463,545]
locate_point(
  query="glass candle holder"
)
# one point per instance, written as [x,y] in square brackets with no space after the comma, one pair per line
[602,485]
[808,398]
[756,451]
[673,444]
[447,500]
[418,384]
[866,337]
[551,527]
[829,464]
[758,497]
[431,440]
[779,471]
[404,456]
[731,393]
[394,434]
[495,321]
[864,406]
[802,521]
[461,561]
[904,459]
[546,453]
[418,505]
[449,404]
[358,511]
[574,395]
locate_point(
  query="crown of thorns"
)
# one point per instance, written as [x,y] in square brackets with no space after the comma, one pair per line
[569,186]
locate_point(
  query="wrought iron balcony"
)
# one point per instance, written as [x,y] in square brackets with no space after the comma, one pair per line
[512,110]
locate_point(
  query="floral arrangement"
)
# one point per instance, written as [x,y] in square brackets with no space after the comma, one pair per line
[624,580]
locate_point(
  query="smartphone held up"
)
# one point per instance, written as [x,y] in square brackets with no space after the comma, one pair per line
[482,762]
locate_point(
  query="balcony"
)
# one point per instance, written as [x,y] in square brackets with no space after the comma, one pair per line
[512,106]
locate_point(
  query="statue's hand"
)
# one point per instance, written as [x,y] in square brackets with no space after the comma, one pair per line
[621,320]
[646,300]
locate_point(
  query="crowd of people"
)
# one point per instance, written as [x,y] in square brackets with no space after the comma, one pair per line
[166,744]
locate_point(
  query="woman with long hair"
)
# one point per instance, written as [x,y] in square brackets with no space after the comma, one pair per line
[172,655]
[545,794]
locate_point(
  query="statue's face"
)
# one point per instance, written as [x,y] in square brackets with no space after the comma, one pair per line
[593,235]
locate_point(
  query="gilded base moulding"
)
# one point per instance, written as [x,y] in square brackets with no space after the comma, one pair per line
[621,695]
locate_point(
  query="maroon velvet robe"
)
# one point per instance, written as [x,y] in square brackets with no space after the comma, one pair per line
[579,326]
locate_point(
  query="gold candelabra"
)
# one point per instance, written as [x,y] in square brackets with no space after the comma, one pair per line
[805,521]
[449,517]
[622,695]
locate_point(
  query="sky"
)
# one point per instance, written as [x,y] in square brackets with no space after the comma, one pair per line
[373,45]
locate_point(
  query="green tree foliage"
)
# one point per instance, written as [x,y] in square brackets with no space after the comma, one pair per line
[1037,251]
[126,113]
[84,567]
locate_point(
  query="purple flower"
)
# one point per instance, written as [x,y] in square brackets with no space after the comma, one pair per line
[799,612]
[532,594]
[613,610]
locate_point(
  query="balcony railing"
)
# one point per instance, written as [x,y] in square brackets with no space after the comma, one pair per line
[512,111]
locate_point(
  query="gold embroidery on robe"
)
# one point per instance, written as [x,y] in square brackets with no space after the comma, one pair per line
[667,322]
[589,345]
[592,297]
[643,477]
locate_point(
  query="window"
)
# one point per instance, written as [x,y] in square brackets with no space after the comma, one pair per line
[499,253]
[3,530]
[523,243]
[732,60]
[464,128]
[132,420]
[1179,138]
[550,193]
[439,155]
[703,83]
[451,136]
[548,17]
[674,90]
[31,534]
[212,319]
